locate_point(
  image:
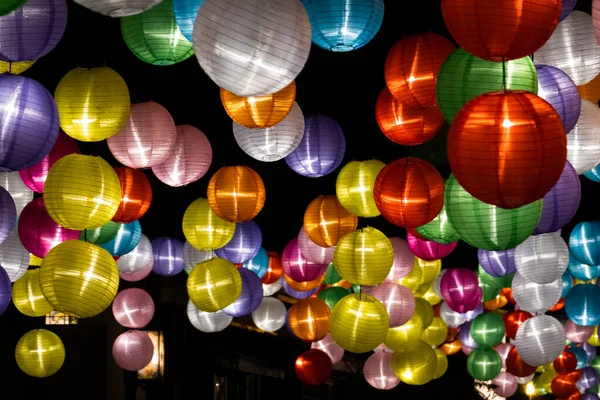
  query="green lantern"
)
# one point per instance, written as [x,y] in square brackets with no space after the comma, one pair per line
[8,6]
[486,226]
[102,234]
[440,229]
[595,363]
[484,363]
[487,329]
[497,282]
[331,275]
[464,77]
[154,37]
[332,295]
[488,290]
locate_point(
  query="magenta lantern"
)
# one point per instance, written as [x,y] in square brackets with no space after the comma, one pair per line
[429,250]
[506,384]
[578,334]
[297,267]
[133,308]
[312,251]
[397,300]
[379,373]
[460,289]
[133,350]
[328,346]
[403,260]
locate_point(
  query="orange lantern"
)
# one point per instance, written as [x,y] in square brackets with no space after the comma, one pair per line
[591,90]
[507,148]
[507,292]
[236,194]
[259,111]
[558,306]
[275,270]
[313,367]
[452,347]
[136,195]
[326,221]
[513,320]
[496,303]
[412,66]
[409,192]
[304,286]
[501,29]
[309,318]
[406,125]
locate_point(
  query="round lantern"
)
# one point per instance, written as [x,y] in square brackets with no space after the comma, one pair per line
[101,235]
[207,322]
[250,297]
[309,319]
[214,284]
[580,355]
[573,48]
[466,337]
[93,104]
[185,15]
[11,5]
[584,242]
[236,194]
[439,230]
[354,187]
[583,142]
[540,340]
[297,267]
[568,279]
[436,333]
[273,143]
[409,192]
[312,251]
[326,221]
[193,256]
[403,337]
[16,68]
[82,192]
[535,297]
[313,367]
[484,363]
[486,226]
[501,30]
[27,295]
[415,366]
[137,264]
[333,295]
[14,258]
[136,195]
[429,250]
[379,373]
[133,350]
[270,315]
[579,270]
[154,37]
[203,229]
[127,238]
[406,125]
[506,384]
[398,301]
[576,333]
[329,347]
[565,363]
[275,269]
[133,308]
[79,278]
[582,304]
[147,138]
[188,160]
[460,288]
[516,366]
[542,258]
[8,214]
[559,90]
[40,353]
[33,30]
[233,65]
[118,8]
[593,174]
[168,256]
[359,323]
[20,193]
[244,245]
[497,263]
[403,260]
[442,364]
[591,90]
[487,329]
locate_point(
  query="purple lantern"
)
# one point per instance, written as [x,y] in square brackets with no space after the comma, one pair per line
[567,8]
[297,267]
[168,256]
[558,89]
[464,333]
[590,351]
[133,350]
[250,297]
[298,294]
[33,30]
[589,396]
[29,121]
[133,308]
[5,290]
[428,250]
[8,214]
[460,289]
[589,378]
[561,202]
[244,244]
[470,315]
[497,263]
[321,150]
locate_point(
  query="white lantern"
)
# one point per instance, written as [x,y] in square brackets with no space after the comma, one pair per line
[583,142]
[136,260]
[270,315]
[193,256]
[273,143]
[14,258]
[451,317]
[252,47]
[573,48]
[118,8]
[21,194]
[271,289]
[535,297]
[540,340]
[208,322]
[542,258]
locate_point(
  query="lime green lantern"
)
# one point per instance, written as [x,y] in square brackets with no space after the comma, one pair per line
[487,329]
[484,363]
[332,295]
[440,229]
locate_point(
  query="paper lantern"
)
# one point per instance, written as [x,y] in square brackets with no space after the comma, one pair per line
[250,297]
[415,366]
[564,385]
[580,355]
[27,295]
[313,252]
[118,8]
[133,308]
[20,193]
[236,194]
[535,297]
[359,323]
[487,329]
[582,304]
[409,192]
[309,319]
[207,322]
[429,250]
[559,90]
[272,143]
[572,48]
[32,30]
[460,288]
[329,347]
[203,229]
[40,353]
[79,278]
[503,30]
[101,235]
[505,384]
[270,315]
[14,258]
[540,340]
[313,367]
[133,350]
[244,245]
[11,5]
[16,68]
[486,226]
[214,284]
[354,187]
[136,195]
[38,232]
[591,90]
[185,15]
[398,301]
[542,258]
[193,256]
[589,378]
[154,37]
[439,230]
[578,270]
[127,238]
[593,174]
[379,373]
[441,364]
[516,366]
[331,296]
[403,260]
[436,333]
[8,214]
[590,350]
[406,125]
[275,269]
[565,363]
[582,142]
[576,333]
[321,149]
[235,65]
[466,337]
[584,242]
[484,363]
[168,256]
[326,221]
[137,264]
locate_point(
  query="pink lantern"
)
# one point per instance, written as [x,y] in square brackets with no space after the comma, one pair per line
[312,251]
[297,267]
[506,384]
[503,349]
[460,289]
[147,139]
[578,334]
[38,231]
[137,264]
[429,250]
[133,308]
[35,176]
[137,275]
[382,348]
[379,373]
[397,300]
[328,346]
[403,260]
[466,350]
[133,350]
[189,160]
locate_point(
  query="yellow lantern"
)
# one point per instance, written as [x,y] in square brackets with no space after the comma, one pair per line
[424,310]
[442,364]
[431,296]
[28,297]
[93,104]
[79,278]
[435,334]
[40,353]
[429,269]
[203,229]
[354,187]
[82,192]
[35,261]
[422,289]
[415,366]
[15,68]
[359,323]
[364,257]
[594,340]
[214,284]
[413,280]
[404,336]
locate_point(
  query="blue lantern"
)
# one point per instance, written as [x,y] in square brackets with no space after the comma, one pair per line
[250,297]
[259,264]
[344,25]
[593,174]
[128,236]
[567,281]
[584,242]
[580,355]
[244,244]
[582,271]
[185,15]
[582,304]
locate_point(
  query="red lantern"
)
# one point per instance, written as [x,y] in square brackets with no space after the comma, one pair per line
[409,192]
[513,320]
[558,306]
[406,125]
[507,292]
[412,67]
[507,148]
[516,366]
[313,367]
[275,270]
[136,195]
[565,363]
[564,385]
[498,29]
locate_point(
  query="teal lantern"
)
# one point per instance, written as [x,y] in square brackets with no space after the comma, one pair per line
[185,15]
[582,304]
[440,229]
[259,264]
[484,363]
[487,329]
[127,238]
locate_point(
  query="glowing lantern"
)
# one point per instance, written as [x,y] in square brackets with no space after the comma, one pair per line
[16,68]
[332,295]
[21,195]
[40,353]
[206,321]
[484,363]
[250,297]
[214,284]
[379,373]
[133,308]
[398,301]
[133,350]
[429,250]
[326,221]
[591,90]
[576,333]
[101,235]
[582,304]
[558,89]
[439,230]
[118,8]
[10,5]
[270,315]
[309,319]
[28,297]
[354,187]
[583,142]
[204,229]
[297,267]
[329,347]
[403,260]
[244,245]
[185,15]
[312,251]
[487,329]
[535,297]
[415,366]
[8,214]
[584,242]
[542,258]
[275,269]
[136,195]
[236,194]
[540,340]
[14,257]
[168,256]
[313,367]
[460,288]
[193,256]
